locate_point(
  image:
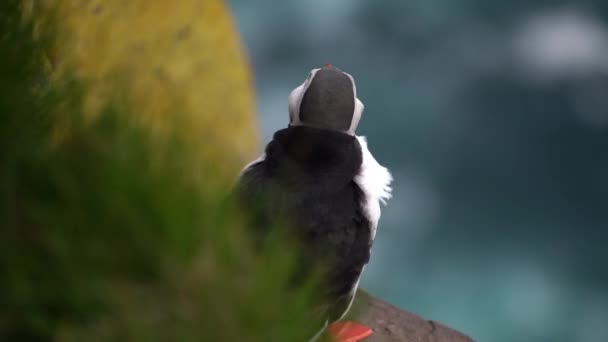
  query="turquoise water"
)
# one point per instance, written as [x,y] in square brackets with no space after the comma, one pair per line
[493,118]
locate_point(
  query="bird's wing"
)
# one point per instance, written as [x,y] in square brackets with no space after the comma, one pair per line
[375,182]
[252,164]
[252,187]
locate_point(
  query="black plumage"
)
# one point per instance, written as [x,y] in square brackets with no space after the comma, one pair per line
[307,176]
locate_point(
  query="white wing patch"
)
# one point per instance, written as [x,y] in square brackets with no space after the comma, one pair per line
[374,180]
[259,160]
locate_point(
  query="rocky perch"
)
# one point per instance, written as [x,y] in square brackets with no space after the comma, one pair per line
[391,324]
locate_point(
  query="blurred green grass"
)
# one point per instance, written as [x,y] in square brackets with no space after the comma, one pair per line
[107,233]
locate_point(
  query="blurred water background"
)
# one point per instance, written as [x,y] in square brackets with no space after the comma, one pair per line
[493,117]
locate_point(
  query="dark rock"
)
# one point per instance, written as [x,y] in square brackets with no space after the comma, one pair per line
[391,324]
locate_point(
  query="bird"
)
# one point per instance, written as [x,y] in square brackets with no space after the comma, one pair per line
[320,176]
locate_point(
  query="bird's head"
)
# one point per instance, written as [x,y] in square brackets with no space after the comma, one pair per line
[327,99]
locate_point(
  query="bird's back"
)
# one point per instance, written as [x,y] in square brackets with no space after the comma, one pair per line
[308,177]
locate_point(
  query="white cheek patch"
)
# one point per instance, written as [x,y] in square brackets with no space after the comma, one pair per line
[358,112]
[375,182]
[295,99]
[359,107]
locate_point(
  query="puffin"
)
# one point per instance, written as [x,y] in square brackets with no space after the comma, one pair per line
[320,177]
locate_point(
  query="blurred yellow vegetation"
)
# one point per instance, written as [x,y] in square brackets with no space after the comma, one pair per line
[110,233]
[174,62]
